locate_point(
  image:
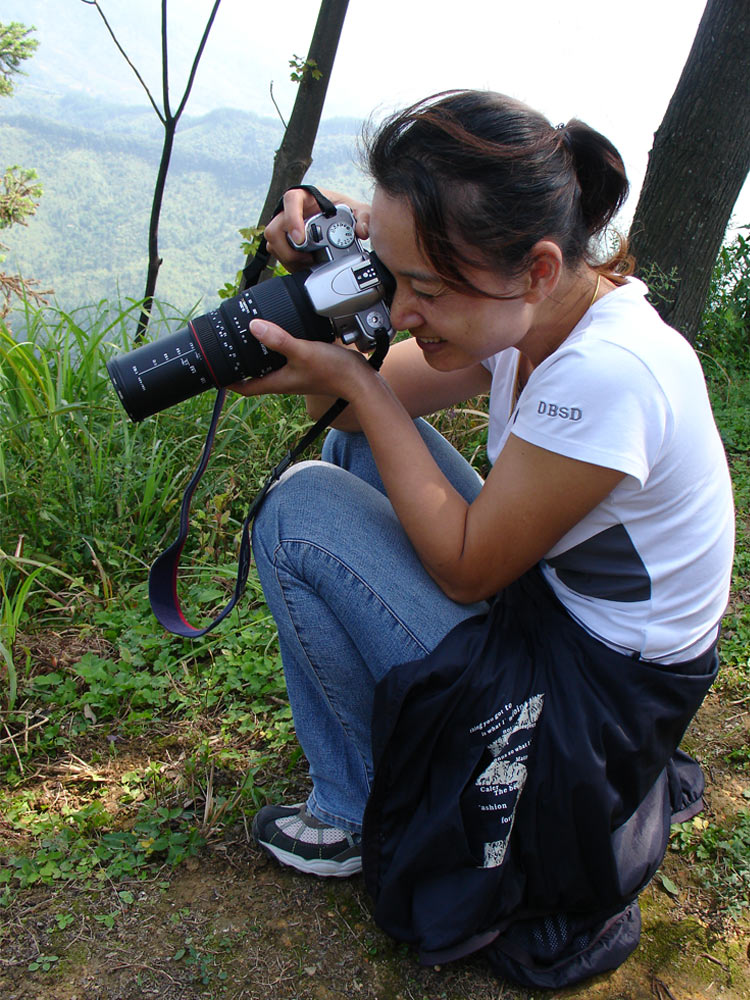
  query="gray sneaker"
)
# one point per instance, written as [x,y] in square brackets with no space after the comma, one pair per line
[294,837]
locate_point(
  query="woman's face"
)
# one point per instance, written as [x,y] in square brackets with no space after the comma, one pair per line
[453,329]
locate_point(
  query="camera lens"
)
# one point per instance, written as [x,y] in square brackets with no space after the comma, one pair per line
[215,349]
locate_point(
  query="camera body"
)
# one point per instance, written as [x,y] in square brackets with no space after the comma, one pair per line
[344,294]
[345,284]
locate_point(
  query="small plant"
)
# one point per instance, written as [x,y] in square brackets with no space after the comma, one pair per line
[301,68]
[43,963]
[722,856]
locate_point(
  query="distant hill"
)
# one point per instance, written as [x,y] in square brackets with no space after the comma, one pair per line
[97,162]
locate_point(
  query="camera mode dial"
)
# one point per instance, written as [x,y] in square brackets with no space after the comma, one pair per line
[340,235]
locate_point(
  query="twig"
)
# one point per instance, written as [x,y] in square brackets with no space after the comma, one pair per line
[716,961]
[148,968]
[278,109]
[123,53]
[28,729]
[13,744]
[660,990]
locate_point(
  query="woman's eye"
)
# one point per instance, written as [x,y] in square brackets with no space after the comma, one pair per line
[423,295]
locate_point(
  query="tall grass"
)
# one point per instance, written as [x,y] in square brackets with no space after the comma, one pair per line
[91,495]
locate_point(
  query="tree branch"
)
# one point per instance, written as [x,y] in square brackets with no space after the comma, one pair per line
[155,106]
[197,59]
[165,60]
[278,109]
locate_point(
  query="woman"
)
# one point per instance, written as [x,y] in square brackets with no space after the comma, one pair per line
[607,512]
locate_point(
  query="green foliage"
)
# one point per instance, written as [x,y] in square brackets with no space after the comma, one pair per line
[19,193]
[725,326]
[12,609]
[661,284]
[251,237]
[87,499]
[302,68]
[15,46]
[721,852]
[19,196]
[66,851]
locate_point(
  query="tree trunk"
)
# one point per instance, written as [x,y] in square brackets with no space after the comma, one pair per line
[697,166]
[294,155]
[154,260]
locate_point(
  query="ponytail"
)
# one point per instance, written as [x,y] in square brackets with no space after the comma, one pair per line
[604,187]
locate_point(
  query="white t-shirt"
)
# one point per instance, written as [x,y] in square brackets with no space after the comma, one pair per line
[648,570]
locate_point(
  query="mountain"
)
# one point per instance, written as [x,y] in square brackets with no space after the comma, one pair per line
[97,162]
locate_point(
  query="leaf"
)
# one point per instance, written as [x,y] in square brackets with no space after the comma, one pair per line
[669,886]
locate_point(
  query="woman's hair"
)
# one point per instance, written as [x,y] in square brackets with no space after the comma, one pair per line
[487,178]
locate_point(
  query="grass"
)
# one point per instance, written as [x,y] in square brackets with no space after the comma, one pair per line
[87,500]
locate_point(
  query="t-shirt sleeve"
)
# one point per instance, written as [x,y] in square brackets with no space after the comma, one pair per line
[599,403]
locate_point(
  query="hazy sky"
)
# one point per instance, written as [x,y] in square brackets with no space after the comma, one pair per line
[614,66]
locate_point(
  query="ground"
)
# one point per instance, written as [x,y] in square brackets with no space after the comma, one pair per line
[229,923]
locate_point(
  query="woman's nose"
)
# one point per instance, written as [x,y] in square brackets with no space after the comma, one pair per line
[403,314]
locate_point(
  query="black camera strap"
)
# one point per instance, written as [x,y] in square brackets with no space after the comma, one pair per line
[162,581]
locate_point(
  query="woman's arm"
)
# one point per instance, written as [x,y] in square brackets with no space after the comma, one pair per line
[531,498]
[419,388]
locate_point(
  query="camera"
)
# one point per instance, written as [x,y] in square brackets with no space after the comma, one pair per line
[344,294]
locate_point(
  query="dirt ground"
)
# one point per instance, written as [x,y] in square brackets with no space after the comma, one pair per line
[232,924]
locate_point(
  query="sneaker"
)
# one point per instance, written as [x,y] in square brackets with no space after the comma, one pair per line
[294,837]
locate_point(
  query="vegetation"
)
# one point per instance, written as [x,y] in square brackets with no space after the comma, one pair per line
[169,121]
[89,236]
[19,190]
[125,752]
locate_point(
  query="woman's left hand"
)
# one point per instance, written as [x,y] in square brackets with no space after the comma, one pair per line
[312,368]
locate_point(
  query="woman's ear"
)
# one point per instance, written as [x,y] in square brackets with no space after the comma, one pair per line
[545,270]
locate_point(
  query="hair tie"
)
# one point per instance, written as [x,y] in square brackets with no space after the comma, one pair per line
[566,139]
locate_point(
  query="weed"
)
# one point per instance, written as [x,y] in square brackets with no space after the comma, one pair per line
[85,847]
[43,963]
[722,856]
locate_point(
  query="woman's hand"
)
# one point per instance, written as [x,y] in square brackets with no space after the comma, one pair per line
[312,368]
[298,206]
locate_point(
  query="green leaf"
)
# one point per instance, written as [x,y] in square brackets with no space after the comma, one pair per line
[669,885]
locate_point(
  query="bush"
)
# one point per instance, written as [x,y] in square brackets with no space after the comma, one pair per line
[725,326]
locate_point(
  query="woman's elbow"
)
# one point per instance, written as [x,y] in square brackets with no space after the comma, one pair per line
[466,591]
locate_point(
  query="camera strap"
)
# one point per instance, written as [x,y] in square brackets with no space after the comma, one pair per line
[162,581]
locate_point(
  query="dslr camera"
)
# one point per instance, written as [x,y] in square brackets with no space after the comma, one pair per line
[345,294]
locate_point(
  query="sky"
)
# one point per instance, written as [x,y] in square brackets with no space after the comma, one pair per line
[614,66]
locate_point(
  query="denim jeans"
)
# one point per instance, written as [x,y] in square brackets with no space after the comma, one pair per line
[351,600]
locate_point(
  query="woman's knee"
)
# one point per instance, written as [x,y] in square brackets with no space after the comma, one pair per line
[296,500]
[308,493]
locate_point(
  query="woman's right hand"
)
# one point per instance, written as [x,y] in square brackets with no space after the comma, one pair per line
[298,206]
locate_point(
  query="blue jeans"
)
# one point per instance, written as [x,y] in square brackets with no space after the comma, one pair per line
[351,600]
